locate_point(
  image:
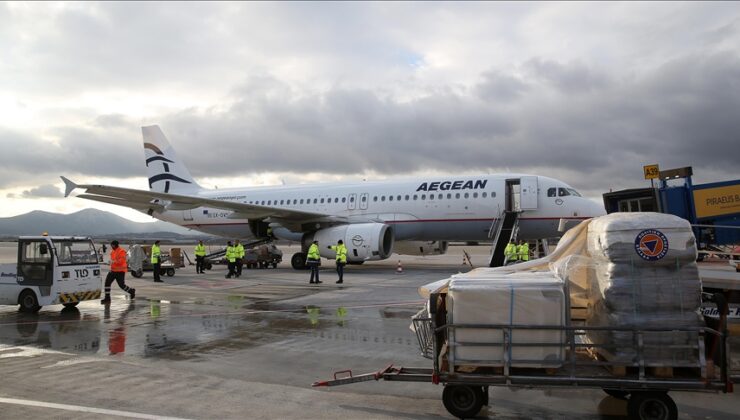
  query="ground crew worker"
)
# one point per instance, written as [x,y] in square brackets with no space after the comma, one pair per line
[231,259]
[156,262]
[341,251]
[523,250]
[117,273]
[200,257]
[239,250]
[313,261]
[511,251]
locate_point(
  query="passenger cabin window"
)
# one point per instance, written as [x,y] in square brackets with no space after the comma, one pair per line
[390,198]
[375,198]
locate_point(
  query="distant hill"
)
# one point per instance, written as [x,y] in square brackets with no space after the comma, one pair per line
[88,222]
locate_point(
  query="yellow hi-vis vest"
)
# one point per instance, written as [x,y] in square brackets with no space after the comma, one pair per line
[313,252]
[155,254]
[200,250]
[524,252]
[231,254]
[239,251]
[341,251]
[510,252]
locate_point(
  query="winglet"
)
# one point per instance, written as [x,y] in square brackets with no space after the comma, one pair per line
[69,186]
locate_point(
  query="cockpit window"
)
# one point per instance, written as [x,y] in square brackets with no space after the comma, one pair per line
[574,192]
[551,192]
[562,192]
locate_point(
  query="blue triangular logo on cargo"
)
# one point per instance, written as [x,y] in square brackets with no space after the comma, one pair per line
[651,245]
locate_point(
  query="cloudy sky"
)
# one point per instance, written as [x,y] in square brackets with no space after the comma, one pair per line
[261,93]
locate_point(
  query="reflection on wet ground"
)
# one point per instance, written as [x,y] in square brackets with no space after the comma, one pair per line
[189,330]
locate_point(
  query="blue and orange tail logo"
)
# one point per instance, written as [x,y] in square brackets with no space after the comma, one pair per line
[651,245]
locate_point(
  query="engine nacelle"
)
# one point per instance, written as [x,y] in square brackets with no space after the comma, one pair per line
[421,247]
[364,241]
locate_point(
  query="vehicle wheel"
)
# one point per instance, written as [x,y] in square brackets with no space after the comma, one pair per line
[209,266]
[617,393]
[29,302]
[355,262]
[137,273]
[274,265]
[170,272]
[298,261]
[651,406]
[463,401]
[70,304]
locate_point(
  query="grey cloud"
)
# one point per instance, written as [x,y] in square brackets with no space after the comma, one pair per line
[43,191]
[571,77]
[499,87]
[87,149]
[682,113]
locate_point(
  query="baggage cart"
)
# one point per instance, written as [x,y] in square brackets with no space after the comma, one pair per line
[644,385]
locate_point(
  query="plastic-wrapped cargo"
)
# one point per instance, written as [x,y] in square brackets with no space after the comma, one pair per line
[523,299]
[643,274]
[648,239]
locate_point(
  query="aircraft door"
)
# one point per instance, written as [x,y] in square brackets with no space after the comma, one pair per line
[364,201]
[528,193]
[187,215]
[352,201]
[35,263]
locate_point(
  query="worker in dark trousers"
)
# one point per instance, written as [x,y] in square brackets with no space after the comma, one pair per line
[239,249]
[341,259]
[200,256]
[313,261]
[156,263]
[117,273]
[231,260]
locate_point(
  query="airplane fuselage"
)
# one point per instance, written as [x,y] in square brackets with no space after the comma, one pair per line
[425,209]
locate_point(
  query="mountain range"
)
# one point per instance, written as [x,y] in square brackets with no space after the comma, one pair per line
[88,222]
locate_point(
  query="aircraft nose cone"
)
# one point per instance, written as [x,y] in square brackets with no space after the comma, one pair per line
[597,209]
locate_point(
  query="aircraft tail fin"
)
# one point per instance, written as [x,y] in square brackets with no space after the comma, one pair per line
[166,172]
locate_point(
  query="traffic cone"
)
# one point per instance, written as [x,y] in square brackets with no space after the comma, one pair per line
[399,268]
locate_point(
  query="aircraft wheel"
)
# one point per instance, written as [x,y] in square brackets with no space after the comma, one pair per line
[29,302]
[298,261]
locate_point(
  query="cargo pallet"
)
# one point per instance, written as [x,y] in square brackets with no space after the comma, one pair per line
[646,388]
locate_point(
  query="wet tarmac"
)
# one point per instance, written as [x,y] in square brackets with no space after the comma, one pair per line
[202,346]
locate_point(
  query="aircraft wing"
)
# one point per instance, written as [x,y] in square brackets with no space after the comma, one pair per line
[159,201]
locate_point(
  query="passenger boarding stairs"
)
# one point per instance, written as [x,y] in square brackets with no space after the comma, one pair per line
[503,230]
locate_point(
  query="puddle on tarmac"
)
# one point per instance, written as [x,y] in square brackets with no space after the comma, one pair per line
[191,330]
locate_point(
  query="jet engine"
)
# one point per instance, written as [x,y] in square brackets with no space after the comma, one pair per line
[421,247]
[364,241]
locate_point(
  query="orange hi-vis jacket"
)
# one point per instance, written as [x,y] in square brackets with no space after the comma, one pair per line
[118,260]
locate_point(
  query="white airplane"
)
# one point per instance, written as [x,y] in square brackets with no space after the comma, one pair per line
[374,219]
